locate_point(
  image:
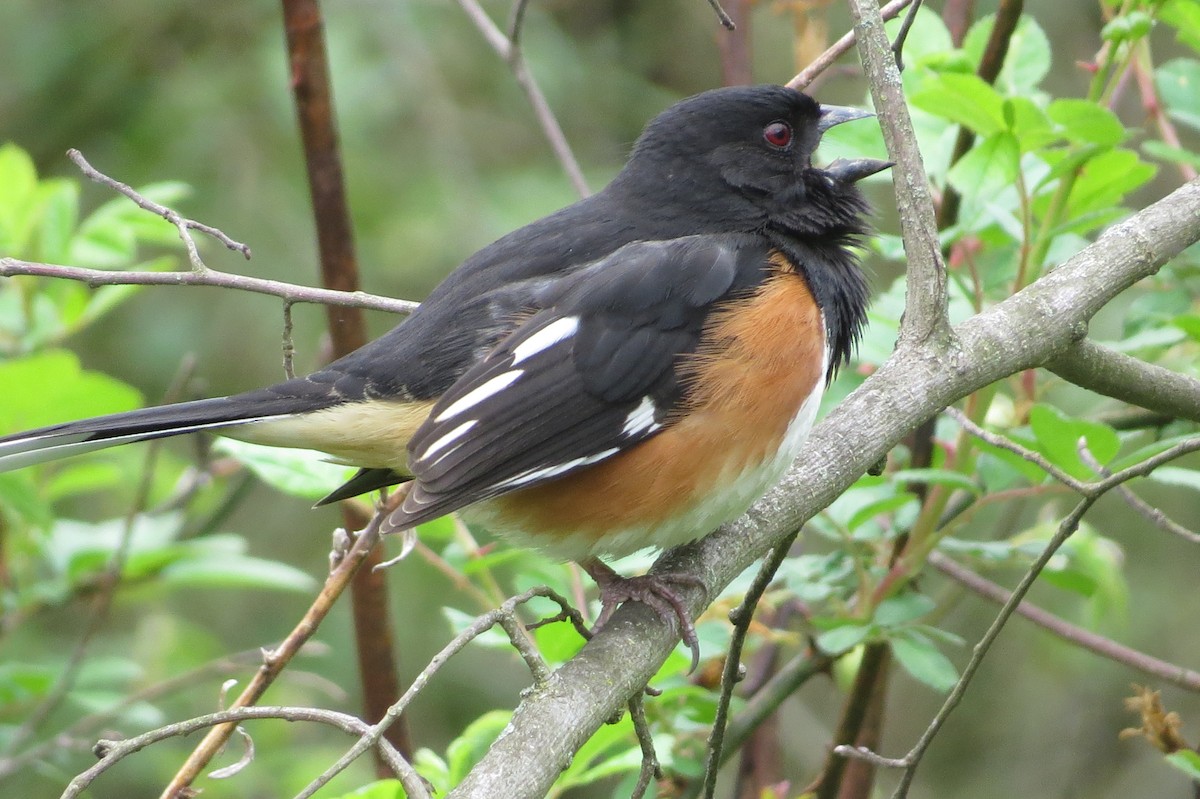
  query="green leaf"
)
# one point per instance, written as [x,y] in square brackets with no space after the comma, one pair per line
[18,206]
[902,609]
[965,99]
[879,507]
[381,789]
[59,216]
[239,572]
[1085,121]
[19,501]
[844,637]
[611,750]
[990,166]
[1177,476]
[1149,451]
[1106,179]
[302,473]
[51,387]
[1174,155]
[558,642]
[1184,16]
[921,658]
[1186,761]
[945,477]
[465,751]
[1027,60]
[1030,124]
[1058,438]
[928,38]
[1178,84]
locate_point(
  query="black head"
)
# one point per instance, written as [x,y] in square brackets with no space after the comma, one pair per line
[741,158]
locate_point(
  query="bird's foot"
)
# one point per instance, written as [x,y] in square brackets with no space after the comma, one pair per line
[658,591]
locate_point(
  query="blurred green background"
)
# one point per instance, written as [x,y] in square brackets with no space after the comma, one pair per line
[442,156]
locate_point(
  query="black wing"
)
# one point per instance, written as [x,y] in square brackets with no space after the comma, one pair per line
[590,372]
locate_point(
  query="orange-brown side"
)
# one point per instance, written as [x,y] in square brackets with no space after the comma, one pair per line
[758,360]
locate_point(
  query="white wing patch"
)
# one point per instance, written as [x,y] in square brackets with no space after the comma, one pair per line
[641,419]
[479,394]
[448,438]
[544,339]
[543,472]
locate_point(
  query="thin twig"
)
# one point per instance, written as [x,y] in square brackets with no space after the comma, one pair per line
[1008,444]
[288,292]
[723,17]
[1087,489]
[741,618]
[1152,514]
[510,51]
[839,48]
[650,769]
[1091,493]
[112,752]
[276,659]
[182,224]
[902,34]
[1105,647]
[506,617]
[228,665]
[793,674]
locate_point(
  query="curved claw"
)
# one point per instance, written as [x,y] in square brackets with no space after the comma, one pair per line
[653,590]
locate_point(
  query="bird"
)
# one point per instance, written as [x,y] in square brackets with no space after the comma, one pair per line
[631,371]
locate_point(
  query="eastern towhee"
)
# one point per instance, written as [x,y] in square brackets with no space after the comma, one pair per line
[631,371]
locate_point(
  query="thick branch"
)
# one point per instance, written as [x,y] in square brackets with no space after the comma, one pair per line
[1028,329]
[1114,374]
[925,299]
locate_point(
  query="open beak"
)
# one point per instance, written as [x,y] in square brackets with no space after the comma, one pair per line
[850,171]
[837,114]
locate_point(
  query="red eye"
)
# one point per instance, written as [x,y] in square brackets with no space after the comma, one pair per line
[778,134]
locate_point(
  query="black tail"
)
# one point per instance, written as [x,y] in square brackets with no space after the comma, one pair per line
[73,438]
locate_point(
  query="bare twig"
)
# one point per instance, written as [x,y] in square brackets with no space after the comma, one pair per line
[181,224]
[70,736]
[506,617]
[276,659]
[288,292]
[650,769]
[839,48]
[510,51]
[741,618]
[112,752]
[1091,493]
[902,34]
[1008,444]
[722,17]
[1087,489]
[793,674]
[1105,647]
[1152,514]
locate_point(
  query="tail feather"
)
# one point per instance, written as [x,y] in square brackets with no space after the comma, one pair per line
[73,438]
